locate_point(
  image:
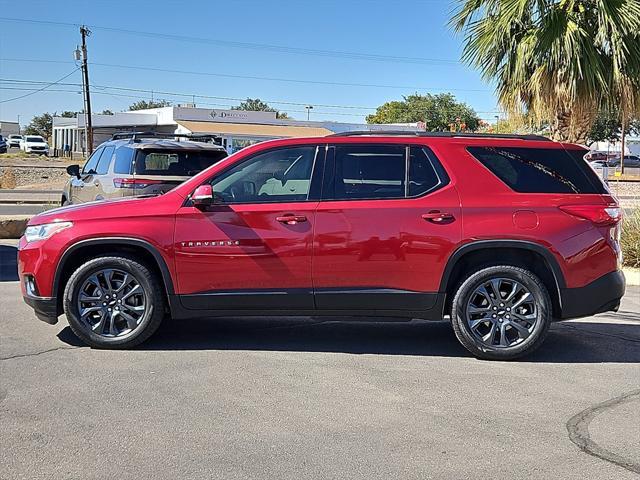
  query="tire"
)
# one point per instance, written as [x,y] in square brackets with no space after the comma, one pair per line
[125,318]
[488,327]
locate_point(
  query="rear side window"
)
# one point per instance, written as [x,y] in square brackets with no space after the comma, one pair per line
[540,170]
[184,163]
[105,160]
[124,160]
[370,171]
[384,172]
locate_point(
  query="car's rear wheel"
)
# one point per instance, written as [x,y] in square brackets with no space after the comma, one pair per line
[501,313]
[114,302]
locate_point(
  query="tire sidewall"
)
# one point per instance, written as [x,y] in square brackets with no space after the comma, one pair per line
[468,339]
[142,276]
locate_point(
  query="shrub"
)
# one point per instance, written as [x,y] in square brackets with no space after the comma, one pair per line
[630,239]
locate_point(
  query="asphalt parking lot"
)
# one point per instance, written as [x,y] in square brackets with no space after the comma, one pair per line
[304,398]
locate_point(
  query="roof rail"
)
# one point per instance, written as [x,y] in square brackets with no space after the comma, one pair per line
[363,133]
[190,136]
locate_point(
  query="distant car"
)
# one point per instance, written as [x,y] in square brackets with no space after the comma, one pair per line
[34,144]
[593,156]
[629,161]
[138,166]
[3,145]
[14,141]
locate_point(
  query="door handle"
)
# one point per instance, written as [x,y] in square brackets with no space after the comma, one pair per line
[436,216]
[291,219]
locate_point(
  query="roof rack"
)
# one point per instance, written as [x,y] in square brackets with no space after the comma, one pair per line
[363,133]
[196,137]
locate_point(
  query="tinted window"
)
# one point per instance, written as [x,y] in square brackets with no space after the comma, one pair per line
[184,163]
[425,172]
[369,171]
[282,175]
[539,170]
[124,159]
[105,160]
[90,166]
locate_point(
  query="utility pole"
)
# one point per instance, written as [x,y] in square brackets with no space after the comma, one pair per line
[622,143]
[85,32]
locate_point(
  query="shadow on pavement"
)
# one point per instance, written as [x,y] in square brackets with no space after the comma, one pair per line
[574,342]
[8,263]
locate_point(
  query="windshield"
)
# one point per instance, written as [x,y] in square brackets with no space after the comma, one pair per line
[172,163]
[35,139]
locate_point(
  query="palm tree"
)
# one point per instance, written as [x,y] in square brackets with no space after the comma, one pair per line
[559,61]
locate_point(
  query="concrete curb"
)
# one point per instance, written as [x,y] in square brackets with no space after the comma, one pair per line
[13,226]
[632,275]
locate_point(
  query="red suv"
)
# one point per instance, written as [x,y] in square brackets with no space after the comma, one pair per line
[502,234]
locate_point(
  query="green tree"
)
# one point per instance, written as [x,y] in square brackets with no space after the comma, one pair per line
[607,127]
[40,125]
[257,105]
[560,60]
[106,112]
[144,104]
[438,112]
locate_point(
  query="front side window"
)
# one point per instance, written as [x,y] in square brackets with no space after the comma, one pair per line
[92,163]
[282,175]
[369,171]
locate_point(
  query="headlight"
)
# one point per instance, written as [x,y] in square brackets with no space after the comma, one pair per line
[41,232]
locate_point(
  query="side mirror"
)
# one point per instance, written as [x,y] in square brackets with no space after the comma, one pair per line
[74,171]
[202,196]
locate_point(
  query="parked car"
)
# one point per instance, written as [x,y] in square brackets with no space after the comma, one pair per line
[13,141]
[3,145]
[34,144]
[138,166]
[629,161]
[500,234]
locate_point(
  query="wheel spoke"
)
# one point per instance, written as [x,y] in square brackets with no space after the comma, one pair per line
[495,286]
[522,331]
[515,286]
[490,337]
[504,341]
[99,327]
[473,309]
[524,298]
[133,291]
[483,291]
[476,323]
[131,322]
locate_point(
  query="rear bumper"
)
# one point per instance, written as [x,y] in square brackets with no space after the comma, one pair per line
[45,308]
[601,295]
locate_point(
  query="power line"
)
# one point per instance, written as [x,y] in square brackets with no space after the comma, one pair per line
[41,89]
[253,46]
[255,77]
[192,95]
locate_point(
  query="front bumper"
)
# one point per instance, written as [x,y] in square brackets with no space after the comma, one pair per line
[601,295]
[45,308]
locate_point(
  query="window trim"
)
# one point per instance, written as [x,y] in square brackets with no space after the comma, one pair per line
[95,152]
[329,185]
[314,188]
[113,151]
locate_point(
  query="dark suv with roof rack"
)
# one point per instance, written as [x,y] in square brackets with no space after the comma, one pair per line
[139,164]
[501,235]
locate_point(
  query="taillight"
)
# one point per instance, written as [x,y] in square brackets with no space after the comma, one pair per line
[134,182]
[598,214]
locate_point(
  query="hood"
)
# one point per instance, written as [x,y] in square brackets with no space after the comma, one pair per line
[112,208]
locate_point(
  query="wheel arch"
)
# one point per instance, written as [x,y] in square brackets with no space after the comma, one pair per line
[518,253]
[84,250]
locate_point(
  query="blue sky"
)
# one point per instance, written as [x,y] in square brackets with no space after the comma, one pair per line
[288,40]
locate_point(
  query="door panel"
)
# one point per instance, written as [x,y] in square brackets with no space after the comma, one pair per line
[383,253]
[252,250]
[244,256]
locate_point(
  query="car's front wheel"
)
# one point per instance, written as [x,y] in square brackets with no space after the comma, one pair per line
[114,302]
[501,313]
